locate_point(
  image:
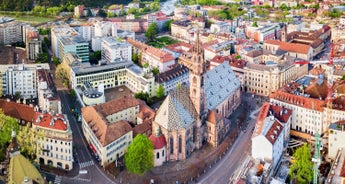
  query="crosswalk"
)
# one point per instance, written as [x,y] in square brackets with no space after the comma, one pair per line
[83,179]
[57,180]
[86,164]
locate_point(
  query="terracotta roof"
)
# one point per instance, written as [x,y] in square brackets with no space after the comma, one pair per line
[47,120]
[260,120]
[238,63]
[339,103]
[274,132]
[214,117]
[105,132]
[317,90]
[317,70]
[17,111]
[290,47]
[137,44]
[158,142]
[297,100]
[159,54]
[32,35]
[117,105]
[180,47]
[254,53]
[281,113]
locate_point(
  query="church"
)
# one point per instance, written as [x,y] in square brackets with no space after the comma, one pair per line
[190,117]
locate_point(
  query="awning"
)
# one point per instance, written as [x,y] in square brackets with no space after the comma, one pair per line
[93,148]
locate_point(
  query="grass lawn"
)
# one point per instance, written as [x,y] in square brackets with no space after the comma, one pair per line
[162,42]
[30,19]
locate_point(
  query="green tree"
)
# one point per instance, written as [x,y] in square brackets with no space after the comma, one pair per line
[62,75]
[139,156]
[56,61]
[131,11]
[102,13]
[7,124]
[151,32]
[135,57]
[155,71]
[255,24]
[167,25]
[27,139]
[160,91]
[302,169]
[73,93]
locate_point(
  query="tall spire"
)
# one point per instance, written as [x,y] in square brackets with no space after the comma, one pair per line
[198,57]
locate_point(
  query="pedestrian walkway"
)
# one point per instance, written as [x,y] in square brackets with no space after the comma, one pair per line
[83,179]
[57,180]
[86,164]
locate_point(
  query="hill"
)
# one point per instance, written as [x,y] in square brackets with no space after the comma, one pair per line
[27,5]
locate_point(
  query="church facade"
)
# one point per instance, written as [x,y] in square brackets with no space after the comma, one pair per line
[184,116]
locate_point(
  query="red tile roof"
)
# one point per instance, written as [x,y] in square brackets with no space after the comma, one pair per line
[32,35]
[238,63]
[137,44]
[281,113]
[297,100]
[47,120]
[290,47]
[260,120]
[159,54]
[158,142]
[17,111]
[180,47]
[274,132]
[117,105]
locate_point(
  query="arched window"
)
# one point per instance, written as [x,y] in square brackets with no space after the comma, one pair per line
[179,144]
[194,80]
[162,153]
[157,155]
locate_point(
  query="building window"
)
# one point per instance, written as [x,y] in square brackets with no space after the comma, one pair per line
[179,144]
[171,145]
[157,155]
[162,153]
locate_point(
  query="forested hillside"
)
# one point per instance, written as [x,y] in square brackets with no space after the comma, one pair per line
[27,5]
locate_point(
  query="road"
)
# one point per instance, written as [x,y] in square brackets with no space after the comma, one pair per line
[241,149]
[83,159]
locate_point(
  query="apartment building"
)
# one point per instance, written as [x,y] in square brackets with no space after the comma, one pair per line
[296,50]
[178,48]
[33,45]
[133,25]
[112,50]
[336,136]
[222,27]
[20,79]
[10,31]
[157,58]
[219,49]
[48,100]
[74,44]
[263,79]
[263,32]
[176,75]
[87,31]
[271,134]
[105,29]
[182,29]
[57,33]
[111,75]
[107,127]
[55,148]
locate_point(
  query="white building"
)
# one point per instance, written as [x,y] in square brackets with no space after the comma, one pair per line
[33,45]
[10,31]
[74,44]
[221,49]
[47,100]
[87,31]
[105,29]
[157,58]
[160,147]
[176,75]
[107,128]
[55,147]
[56,34]
[113,50]
[20,79]
[271,133]
[111,75]
[336,137]
[222,27]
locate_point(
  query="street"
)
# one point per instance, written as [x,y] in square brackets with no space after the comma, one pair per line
[83,159]
[232,160]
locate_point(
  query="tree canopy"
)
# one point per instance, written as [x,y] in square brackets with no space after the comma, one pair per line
[139,156]
[160,91]
[151,32]
[302,169]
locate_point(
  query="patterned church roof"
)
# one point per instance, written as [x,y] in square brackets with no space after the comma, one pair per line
[220,83]
[177,110]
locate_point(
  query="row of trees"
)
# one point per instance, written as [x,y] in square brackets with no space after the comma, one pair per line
[231,12]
